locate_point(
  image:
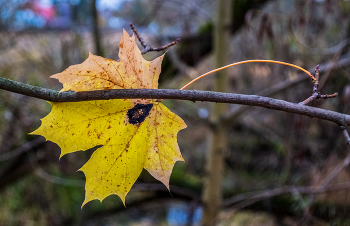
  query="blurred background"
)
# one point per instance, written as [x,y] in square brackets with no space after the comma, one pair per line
[263,151]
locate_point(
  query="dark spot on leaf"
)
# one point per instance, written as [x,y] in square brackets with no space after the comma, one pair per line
[88,125]
[109,127]
[121,45]
[139,113]
[51,126]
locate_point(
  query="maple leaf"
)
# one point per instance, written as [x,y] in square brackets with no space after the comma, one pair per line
[135,134]
[96,73]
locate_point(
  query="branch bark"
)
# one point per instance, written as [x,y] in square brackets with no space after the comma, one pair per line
[192,95]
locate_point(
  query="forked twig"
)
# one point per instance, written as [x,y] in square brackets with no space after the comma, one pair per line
[148,48]
[315,94]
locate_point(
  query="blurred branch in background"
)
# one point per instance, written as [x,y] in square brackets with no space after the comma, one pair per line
[24,148]
[283,158]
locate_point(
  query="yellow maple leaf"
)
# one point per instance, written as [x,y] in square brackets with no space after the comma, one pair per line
[135,134]
[96,73]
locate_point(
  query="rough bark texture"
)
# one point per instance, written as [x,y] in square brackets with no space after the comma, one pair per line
[212,194]
[192,95]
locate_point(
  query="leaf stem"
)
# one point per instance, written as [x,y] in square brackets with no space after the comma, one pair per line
[250,61]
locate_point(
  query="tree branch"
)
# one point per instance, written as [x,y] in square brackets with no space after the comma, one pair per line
[192,95]
[315,94]
[284,85]
[243,200]
[148,48]
[24,148]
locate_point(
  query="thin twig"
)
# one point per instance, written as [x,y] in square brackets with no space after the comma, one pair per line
[315,94]
[282,86]
[58,180]
[137,35]
[148,48]
[317,78]
[315,87]
[327,96]
[330,177]
[24,148]
[309,99]
[182,66]
[242,200]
